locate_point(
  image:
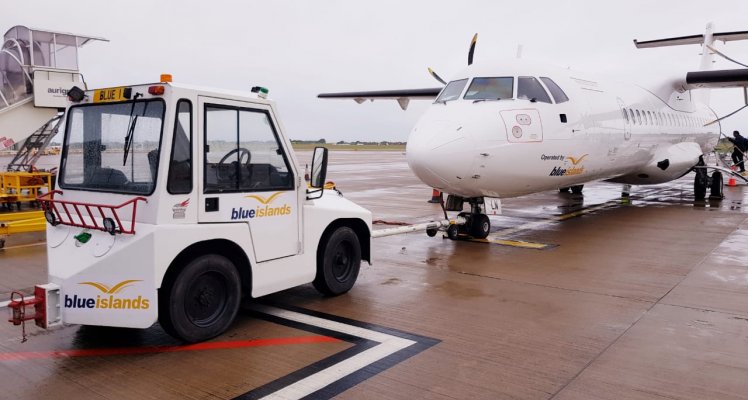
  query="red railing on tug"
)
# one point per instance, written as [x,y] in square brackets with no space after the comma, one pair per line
[58,212]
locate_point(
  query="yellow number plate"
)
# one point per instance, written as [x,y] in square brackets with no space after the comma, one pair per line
[108,95]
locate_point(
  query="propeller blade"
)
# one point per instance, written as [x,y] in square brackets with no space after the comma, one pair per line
[726,116]
[717,52]
[472,49]
[437,77]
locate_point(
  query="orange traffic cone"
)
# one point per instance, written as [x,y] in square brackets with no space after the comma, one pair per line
[731,181]
[436,196]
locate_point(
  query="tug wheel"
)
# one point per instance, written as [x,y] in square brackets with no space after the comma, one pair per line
[338,262]
[202,300]
[431,232]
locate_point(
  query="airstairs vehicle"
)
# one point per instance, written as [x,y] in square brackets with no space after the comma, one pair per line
[37,67]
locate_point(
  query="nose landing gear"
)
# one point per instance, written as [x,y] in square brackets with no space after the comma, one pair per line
[477,224]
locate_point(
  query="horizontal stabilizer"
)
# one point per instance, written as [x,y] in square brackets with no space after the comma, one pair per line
[692,39]
[718,78]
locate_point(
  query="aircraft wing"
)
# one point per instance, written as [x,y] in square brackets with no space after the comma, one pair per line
[402,96]
[725,78]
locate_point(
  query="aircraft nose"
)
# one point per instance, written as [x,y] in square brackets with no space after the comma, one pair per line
[435,153]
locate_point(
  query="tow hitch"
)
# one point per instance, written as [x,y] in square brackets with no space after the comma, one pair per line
[46,304]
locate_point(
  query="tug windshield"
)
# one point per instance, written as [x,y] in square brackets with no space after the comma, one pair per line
[96,138]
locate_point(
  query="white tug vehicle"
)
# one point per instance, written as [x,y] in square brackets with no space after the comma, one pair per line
[175,202]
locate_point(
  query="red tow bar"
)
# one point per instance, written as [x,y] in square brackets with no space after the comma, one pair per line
[18,306]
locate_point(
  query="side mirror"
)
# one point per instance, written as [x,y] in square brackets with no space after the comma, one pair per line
[319,170]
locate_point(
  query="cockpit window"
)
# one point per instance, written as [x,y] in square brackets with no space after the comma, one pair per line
[529,88]
[452,91]
[490,89]
[558,95]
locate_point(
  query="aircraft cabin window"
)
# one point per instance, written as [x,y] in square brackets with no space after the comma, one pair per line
[638,117]
[631,116]
[625,115]
[558,94]
[490,89]
[452,91]
[529,88]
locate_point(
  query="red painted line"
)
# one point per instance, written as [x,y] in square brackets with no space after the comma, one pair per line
[29,355]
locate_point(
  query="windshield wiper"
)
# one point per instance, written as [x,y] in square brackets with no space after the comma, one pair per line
[479,100]
[131,128]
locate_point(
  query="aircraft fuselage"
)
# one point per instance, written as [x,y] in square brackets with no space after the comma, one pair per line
[516,146]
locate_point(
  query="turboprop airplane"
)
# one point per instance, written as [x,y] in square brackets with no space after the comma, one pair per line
[517,127]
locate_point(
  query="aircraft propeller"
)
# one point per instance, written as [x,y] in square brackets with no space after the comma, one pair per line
[470,60]
[436,76]
[472,49]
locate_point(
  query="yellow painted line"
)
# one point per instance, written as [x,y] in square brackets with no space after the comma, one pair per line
[507,242]
[514,243]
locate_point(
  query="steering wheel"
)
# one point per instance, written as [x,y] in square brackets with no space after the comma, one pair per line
[242,152]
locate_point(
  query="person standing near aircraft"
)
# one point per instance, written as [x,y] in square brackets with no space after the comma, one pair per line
[740,146]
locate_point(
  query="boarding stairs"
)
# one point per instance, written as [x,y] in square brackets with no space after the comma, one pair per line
[37,68]
[33,147]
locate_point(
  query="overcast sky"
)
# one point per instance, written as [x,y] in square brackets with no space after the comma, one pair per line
[301,48]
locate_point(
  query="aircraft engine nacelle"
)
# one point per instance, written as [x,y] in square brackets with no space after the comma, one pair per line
[667,164]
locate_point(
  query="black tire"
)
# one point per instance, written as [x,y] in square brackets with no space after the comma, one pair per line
[338,262]
[431,232]
[716,186]
[480,226]
[202,300]
[563,190]
[577,189]
[699,184]
[453,232]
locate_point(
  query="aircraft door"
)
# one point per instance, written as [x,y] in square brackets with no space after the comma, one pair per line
[247,176]
[626,120]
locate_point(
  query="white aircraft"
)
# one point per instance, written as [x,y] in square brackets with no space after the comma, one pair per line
[517,127]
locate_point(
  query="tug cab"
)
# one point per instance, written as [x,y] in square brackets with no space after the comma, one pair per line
[175,202]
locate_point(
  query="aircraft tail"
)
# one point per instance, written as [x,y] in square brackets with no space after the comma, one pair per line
[706,79]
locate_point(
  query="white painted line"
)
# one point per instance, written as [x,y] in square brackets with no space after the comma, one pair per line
[388,344]
[5,303]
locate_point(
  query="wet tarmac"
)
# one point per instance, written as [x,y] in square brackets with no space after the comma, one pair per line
[633,298]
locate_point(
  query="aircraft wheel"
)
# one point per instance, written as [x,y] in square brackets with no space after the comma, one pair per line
[717,184]
[431,232]
[338,264]
[202,300]
[480,226]
[577,189]
[453,232]
[699,184]
[563,190]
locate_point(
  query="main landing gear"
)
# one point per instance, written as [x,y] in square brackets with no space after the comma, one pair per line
[477,224]
[702,181]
